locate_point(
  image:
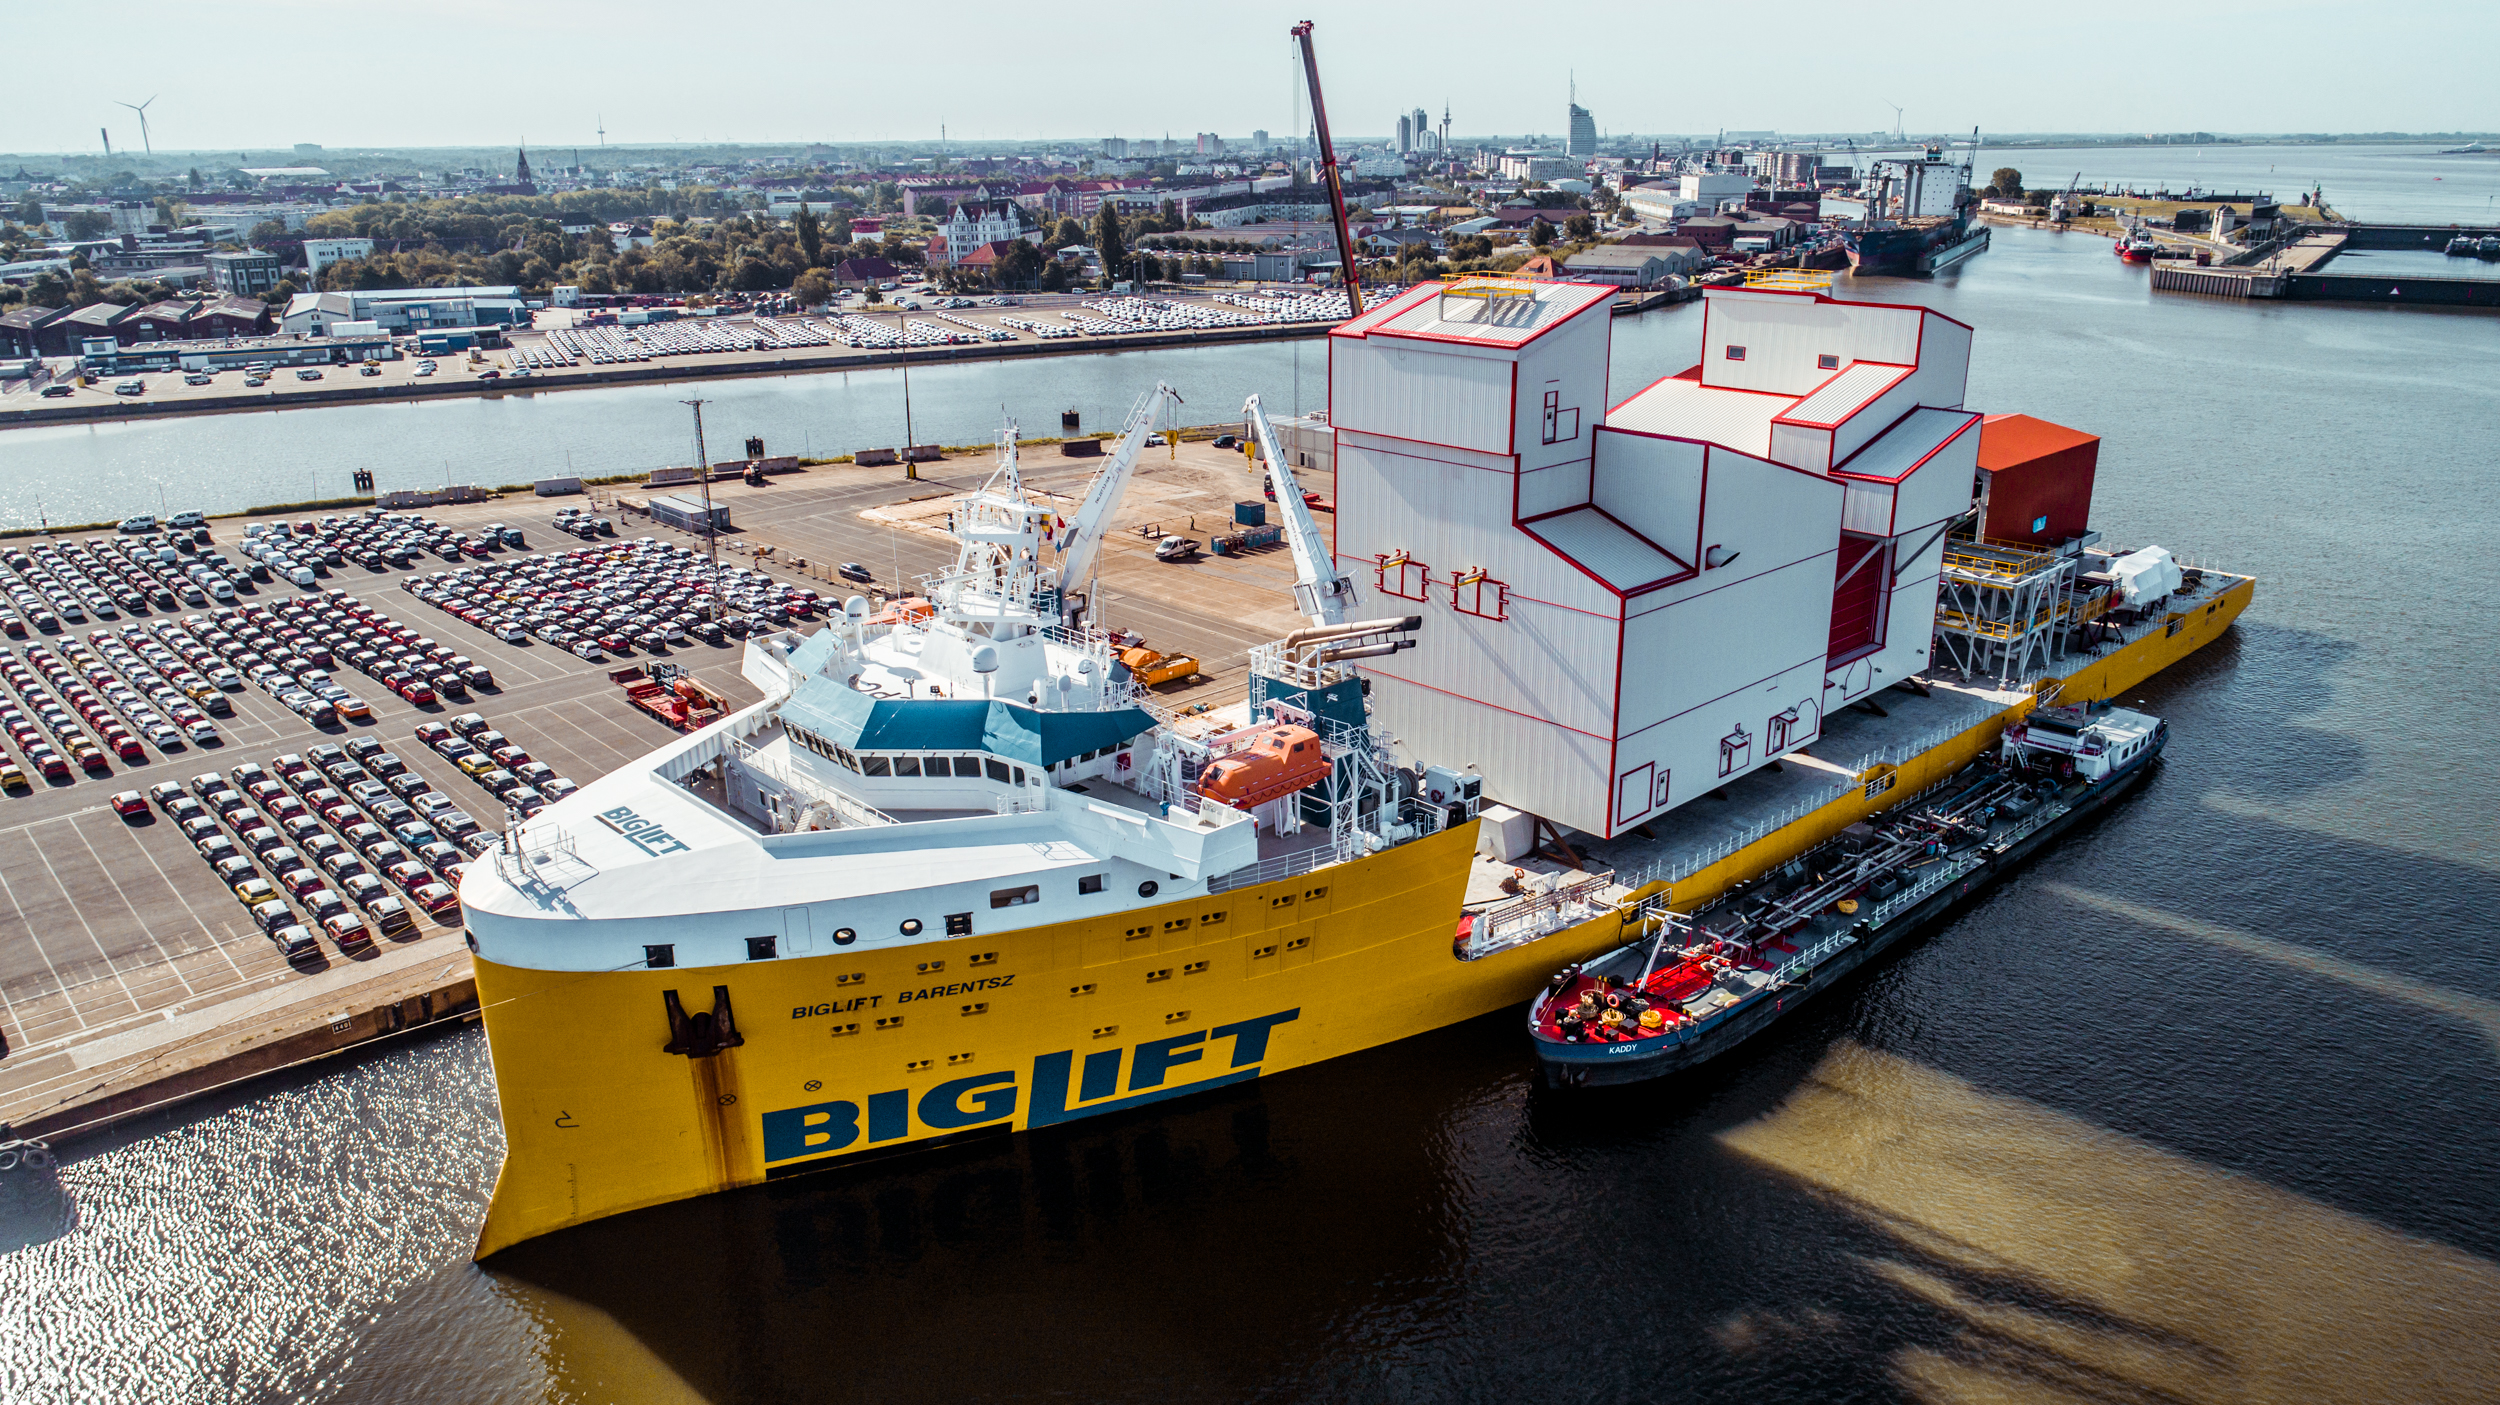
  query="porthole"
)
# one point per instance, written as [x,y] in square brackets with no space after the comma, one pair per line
[1148,888]
[911,926]
[844,936]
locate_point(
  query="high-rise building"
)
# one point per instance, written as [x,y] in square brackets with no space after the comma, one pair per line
[1115,147]
[1258,140]
[1583,140]
[1406,134]
[1423,129]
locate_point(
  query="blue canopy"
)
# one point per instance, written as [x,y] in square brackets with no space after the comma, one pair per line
[857,722]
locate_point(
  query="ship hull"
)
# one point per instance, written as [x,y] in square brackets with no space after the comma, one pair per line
[1074,1020]
[1913,251]
[1596,1065]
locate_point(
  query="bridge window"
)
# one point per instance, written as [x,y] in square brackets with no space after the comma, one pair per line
[1090,883]
[1016,897]
[907,765]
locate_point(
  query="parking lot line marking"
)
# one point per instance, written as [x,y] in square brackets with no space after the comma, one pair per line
[172,887]
[10,891]
[137,920]
[82,922]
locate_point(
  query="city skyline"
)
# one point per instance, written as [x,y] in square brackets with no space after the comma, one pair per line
[579,71]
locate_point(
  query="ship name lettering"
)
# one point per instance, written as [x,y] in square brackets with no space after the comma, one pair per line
[949,992]
[836,1007]
[646,835]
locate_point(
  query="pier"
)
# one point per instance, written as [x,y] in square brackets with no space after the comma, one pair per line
[2300,266]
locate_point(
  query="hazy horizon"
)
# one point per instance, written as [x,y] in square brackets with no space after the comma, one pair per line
[479,75]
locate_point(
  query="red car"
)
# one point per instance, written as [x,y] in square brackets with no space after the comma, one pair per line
[130,802]
[436,898]
[432,732]
[416,692]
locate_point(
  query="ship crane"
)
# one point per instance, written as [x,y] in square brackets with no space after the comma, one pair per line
[1350,276]
[1081,548]
[1323,593]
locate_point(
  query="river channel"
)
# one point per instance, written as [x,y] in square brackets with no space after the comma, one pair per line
[2204,1105]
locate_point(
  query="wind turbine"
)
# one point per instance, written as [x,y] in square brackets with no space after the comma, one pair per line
[142,109]
[1896,118]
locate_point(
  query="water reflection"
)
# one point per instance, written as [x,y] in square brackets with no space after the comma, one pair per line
[2071,1263]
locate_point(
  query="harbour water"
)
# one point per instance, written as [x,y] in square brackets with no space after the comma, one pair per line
[2202,1106]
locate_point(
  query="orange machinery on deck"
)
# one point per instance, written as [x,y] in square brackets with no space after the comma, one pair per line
[1273,763]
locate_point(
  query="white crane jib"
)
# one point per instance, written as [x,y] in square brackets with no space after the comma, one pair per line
[1081,547]
[1324,595]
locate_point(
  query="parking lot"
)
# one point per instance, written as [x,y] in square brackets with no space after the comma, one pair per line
[108,922]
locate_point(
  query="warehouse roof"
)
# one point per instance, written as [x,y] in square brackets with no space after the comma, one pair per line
[2007,440]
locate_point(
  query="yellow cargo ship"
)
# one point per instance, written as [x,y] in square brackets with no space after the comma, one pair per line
[954,878]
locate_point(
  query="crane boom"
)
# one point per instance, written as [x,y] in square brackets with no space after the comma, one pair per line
[1324,595]
[1082,546]
[1336,181]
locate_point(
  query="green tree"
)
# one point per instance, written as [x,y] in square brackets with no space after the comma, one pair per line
[1540,233]
[839,232]
[811,236]
[2007,182]
[283,294]
[1067,232]
[1054,276]
[1110,240]
[813,288]
[1580,227]
[1018,266]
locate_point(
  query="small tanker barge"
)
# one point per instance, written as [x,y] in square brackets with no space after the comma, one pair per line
[1697,986]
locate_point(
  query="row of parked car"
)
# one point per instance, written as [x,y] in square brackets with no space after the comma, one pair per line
[121,708]
[644,595]
[104,579]
[520,783]
[377,540]
[331,839]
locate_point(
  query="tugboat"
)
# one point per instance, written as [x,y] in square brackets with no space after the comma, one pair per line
[1696,986]
[2139,246]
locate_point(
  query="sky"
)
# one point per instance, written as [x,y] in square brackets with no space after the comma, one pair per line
[464,73]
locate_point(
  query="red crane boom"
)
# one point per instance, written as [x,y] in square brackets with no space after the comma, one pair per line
[1336,184]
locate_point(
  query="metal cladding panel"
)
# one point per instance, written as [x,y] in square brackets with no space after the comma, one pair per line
[1801,446]
[1413,391]
[1866,508]
[1685,751]
[1543,490]
[1605,549]
[1535,766]
[1544,662]
[1944,352]
[1784,335]
[1909,623]
[1847,392]
[1654,487]
[1689,410]
[1710,645]
[1569,368]
[1451,518]
[1942,487]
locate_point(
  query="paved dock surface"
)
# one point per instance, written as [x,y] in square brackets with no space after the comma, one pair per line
[125,965]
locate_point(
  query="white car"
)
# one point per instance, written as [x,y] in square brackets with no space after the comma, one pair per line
[202,732]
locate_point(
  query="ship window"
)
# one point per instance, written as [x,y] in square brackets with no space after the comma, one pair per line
[997,770]
[907,765]
[1019,775]
[966,766]
[762,948]
[844,936]
[1735,353]
[1148,888]
[1827,362]
[1090,883]
[665,954]
[1016,897]
[959,924]
[911,926]
[874,766]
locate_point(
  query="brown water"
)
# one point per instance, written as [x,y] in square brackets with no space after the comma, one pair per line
[2204,1105]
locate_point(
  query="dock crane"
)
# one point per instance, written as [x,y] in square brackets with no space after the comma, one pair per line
[1081,548]
[1336,179]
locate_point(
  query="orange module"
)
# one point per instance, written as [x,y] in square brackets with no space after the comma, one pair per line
[1276,762]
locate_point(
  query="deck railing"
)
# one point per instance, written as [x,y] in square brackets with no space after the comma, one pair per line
[1539,915]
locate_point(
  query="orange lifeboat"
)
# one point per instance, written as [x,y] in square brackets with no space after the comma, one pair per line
[1274,762]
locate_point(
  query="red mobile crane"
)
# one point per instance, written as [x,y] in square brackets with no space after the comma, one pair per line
[1336,181]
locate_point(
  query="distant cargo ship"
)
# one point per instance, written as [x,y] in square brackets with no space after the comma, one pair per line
[1918,220]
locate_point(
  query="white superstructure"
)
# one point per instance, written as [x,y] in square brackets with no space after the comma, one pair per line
[1627,608]
[975,762]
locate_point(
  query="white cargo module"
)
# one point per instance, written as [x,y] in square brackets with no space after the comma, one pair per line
[1631,607]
